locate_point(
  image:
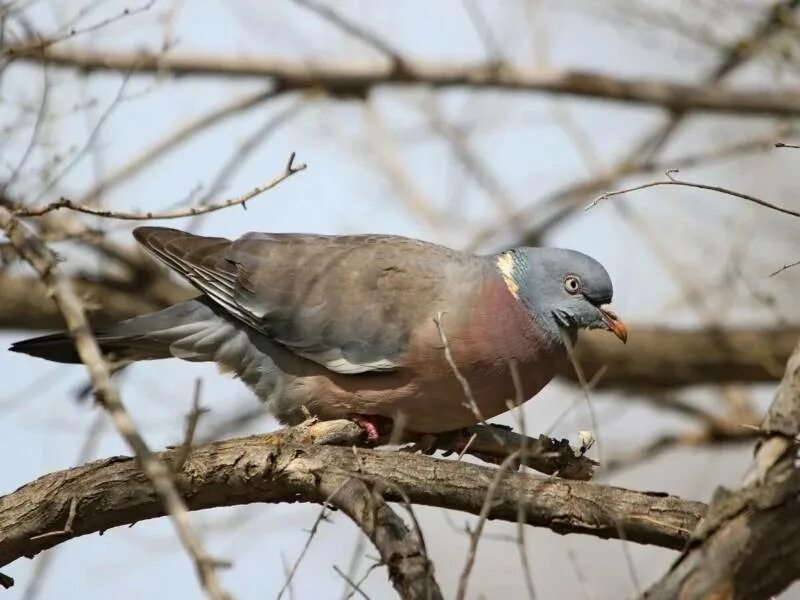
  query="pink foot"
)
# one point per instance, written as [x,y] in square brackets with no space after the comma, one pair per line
[456,441]
[369,424]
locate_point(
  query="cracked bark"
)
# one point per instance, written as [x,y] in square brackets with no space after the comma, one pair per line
[299,465]
[748,546]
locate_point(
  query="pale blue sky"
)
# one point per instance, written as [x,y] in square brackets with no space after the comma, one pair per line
[344,190]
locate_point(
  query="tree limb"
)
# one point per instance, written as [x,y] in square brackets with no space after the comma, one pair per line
[299,465]
[349,80]
[25,303]
[663,357]
[748,545]
[402,551]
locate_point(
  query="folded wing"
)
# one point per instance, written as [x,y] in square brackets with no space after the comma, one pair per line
[349,303]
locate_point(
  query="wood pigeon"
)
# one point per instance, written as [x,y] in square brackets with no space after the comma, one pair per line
[352,326]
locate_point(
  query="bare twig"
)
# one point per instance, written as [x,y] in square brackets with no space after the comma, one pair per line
[177,137]
[469,402]
[671,181]
[67,529]
[73,32]
[524,452]
[784,268]
[554,208]
[39,256]
[358,583]
[475,536]
[371,39]
[191,425]
[287,584]
[356,587]
[484,30]
[288,171]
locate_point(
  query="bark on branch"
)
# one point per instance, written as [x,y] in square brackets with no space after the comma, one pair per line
[402,551]
[748,546]
[300,465]
[354,80]
[662,357]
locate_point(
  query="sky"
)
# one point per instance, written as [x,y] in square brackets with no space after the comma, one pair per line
[345,190]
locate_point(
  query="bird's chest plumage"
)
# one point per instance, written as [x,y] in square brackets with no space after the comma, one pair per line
[488,334]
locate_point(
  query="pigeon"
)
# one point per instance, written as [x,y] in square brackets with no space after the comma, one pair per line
[374,328]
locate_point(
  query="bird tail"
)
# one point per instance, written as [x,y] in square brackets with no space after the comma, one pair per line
[172,332]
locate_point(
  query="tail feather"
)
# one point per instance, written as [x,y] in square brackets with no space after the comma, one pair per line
[196,330]
[57,347]
[148,337]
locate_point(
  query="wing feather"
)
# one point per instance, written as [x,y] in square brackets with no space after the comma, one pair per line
[349,303]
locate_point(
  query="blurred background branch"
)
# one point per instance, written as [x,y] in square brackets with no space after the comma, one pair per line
[476,124]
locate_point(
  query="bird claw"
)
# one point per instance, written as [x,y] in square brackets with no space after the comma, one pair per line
[370,425]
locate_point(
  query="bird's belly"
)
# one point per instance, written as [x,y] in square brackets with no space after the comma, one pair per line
[423,402]
[445,405]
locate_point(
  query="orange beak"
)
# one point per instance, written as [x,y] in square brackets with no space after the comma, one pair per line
[614,325]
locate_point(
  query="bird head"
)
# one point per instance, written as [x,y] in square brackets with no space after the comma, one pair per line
[563,289]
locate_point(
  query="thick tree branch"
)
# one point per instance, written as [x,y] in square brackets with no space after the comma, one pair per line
[402,551]
[298,465]
[748,546]
[352,80]
[662,357]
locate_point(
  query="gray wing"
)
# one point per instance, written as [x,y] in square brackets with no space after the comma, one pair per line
[349,303]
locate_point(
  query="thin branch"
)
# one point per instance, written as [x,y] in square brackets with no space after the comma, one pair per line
[353,584]
[287,584]
[42,260]
[470,402]
[784,268]
[701,186]
[475,536]
[73,32]
[288,171]
[191,424]
[177,137]
[353,29]
[484,30]
[556,207]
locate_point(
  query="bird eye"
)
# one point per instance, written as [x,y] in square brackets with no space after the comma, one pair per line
[572,284]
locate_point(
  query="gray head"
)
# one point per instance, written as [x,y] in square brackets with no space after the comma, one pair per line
[563,289]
